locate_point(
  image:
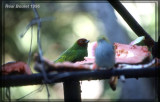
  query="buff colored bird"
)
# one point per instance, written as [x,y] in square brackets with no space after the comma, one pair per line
[105,58]
[104,53]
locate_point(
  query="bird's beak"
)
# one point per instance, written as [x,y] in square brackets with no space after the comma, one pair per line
[87,41]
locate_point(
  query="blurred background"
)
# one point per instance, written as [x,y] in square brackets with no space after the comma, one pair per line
[71,21]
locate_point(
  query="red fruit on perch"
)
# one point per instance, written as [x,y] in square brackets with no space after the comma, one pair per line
[131,54]
[124,53]
[15,68]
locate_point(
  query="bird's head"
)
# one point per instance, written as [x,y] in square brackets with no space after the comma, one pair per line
[101,38]
[82,42]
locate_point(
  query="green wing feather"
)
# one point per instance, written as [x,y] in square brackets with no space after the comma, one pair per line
[72,56]
[66,56]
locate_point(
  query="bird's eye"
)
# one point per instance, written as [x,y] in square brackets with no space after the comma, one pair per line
[81,41]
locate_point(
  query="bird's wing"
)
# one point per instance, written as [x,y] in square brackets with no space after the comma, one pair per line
[67,56]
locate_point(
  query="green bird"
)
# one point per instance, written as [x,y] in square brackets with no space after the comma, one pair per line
[76,53]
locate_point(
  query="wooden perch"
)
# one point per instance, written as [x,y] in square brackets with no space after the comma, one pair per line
[86,65]
[60,67]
